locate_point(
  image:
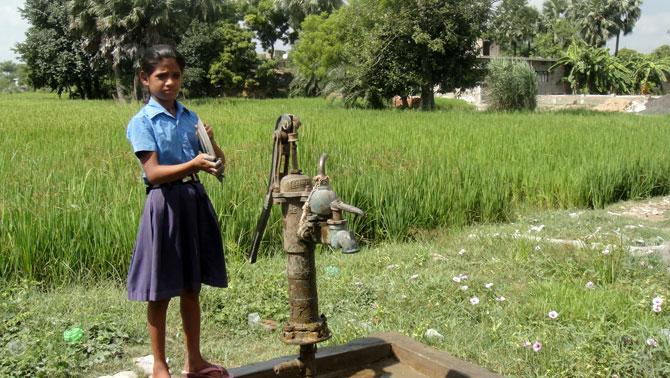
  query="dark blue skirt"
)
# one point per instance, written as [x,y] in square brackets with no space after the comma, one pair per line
[178,245]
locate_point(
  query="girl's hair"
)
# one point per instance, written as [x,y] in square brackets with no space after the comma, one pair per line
[153,55]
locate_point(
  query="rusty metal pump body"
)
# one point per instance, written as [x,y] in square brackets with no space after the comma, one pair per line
[311,214]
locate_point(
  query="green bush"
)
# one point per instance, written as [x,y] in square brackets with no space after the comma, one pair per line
[511,85]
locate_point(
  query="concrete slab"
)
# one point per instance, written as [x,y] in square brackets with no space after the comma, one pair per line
[380,355]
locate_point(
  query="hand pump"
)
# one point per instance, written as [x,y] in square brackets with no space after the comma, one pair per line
[311,213]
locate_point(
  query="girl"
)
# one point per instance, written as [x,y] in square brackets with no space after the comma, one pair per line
[178,244]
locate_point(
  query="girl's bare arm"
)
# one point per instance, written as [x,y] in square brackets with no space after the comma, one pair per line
[160,174]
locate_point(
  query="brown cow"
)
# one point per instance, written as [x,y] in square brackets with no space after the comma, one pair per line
[412,102]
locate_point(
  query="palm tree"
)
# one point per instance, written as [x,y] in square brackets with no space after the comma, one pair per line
[625,13]
[594,19]
[117,30]
[553,12]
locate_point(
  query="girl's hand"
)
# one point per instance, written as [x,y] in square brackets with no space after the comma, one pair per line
[207,163]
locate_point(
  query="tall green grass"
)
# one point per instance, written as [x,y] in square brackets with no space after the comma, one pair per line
[71,195]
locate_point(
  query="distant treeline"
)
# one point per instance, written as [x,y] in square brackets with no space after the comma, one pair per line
[90,49]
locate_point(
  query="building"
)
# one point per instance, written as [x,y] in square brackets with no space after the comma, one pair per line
[548,81]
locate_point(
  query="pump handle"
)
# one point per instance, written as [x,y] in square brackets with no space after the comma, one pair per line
[282,121]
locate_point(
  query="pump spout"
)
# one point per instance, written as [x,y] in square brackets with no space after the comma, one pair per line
[344,239]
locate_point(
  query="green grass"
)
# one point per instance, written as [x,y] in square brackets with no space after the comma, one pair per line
[600,332]
[72,197]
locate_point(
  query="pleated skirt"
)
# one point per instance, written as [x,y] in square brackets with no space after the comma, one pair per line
[178,245]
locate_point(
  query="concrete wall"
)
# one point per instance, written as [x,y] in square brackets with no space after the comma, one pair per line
[549,82]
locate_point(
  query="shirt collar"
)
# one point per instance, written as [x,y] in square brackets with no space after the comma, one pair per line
[153,108]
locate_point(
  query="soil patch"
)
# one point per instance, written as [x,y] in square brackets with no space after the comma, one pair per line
[655,210]
[658,105]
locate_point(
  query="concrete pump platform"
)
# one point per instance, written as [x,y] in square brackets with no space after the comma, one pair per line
[380,355]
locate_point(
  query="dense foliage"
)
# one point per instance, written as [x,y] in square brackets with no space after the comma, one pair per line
[511,85]
[594,70]
[392,48]
[90,49]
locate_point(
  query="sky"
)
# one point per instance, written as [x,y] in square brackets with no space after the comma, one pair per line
[650,31]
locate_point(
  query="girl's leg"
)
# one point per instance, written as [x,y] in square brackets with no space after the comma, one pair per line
[190,317]
[156,314]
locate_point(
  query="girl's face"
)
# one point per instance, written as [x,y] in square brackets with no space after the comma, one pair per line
[165,82]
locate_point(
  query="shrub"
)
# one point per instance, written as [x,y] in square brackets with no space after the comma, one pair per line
[511,85]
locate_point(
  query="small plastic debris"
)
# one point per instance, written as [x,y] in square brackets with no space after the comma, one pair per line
[146,364]
[433,334]
[332,271]
[254,319]
[73,334]
[366,326]
[16,347]
[121,374]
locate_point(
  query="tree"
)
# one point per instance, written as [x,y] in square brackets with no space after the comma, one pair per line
[556,31]
[269,21]
[316,53]
[662,52]
[513,23]
[625,14]
[54,55]
[233,71]
[401,47]
[280,20]
[201,45]
[594,19]
[594,70]
[651,73]
[117,30]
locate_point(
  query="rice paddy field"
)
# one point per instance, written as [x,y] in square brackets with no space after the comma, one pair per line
[72,195]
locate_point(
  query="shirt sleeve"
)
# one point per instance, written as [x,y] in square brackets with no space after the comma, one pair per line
[141,135]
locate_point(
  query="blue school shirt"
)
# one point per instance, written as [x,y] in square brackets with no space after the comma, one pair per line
[173,138]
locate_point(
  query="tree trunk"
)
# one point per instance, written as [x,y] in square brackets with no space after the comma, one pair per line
[427,97]
[120,96]
[616,47]
[137,89]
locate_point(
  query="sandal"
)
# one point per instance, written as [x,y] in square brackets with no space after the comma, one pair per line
[213,371]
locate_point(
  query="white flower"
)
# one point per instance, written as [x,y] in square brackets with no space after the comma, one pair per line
[474,301]
[589,285]
[657,301]
[464,287]
[500,299]
[538,248]
[552,314]
[652,342]
[537,346]
[456,279]
[461,252]
[463,276]
[606,251]
[537,228]
[526,344]
[489,285]
[656,308]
